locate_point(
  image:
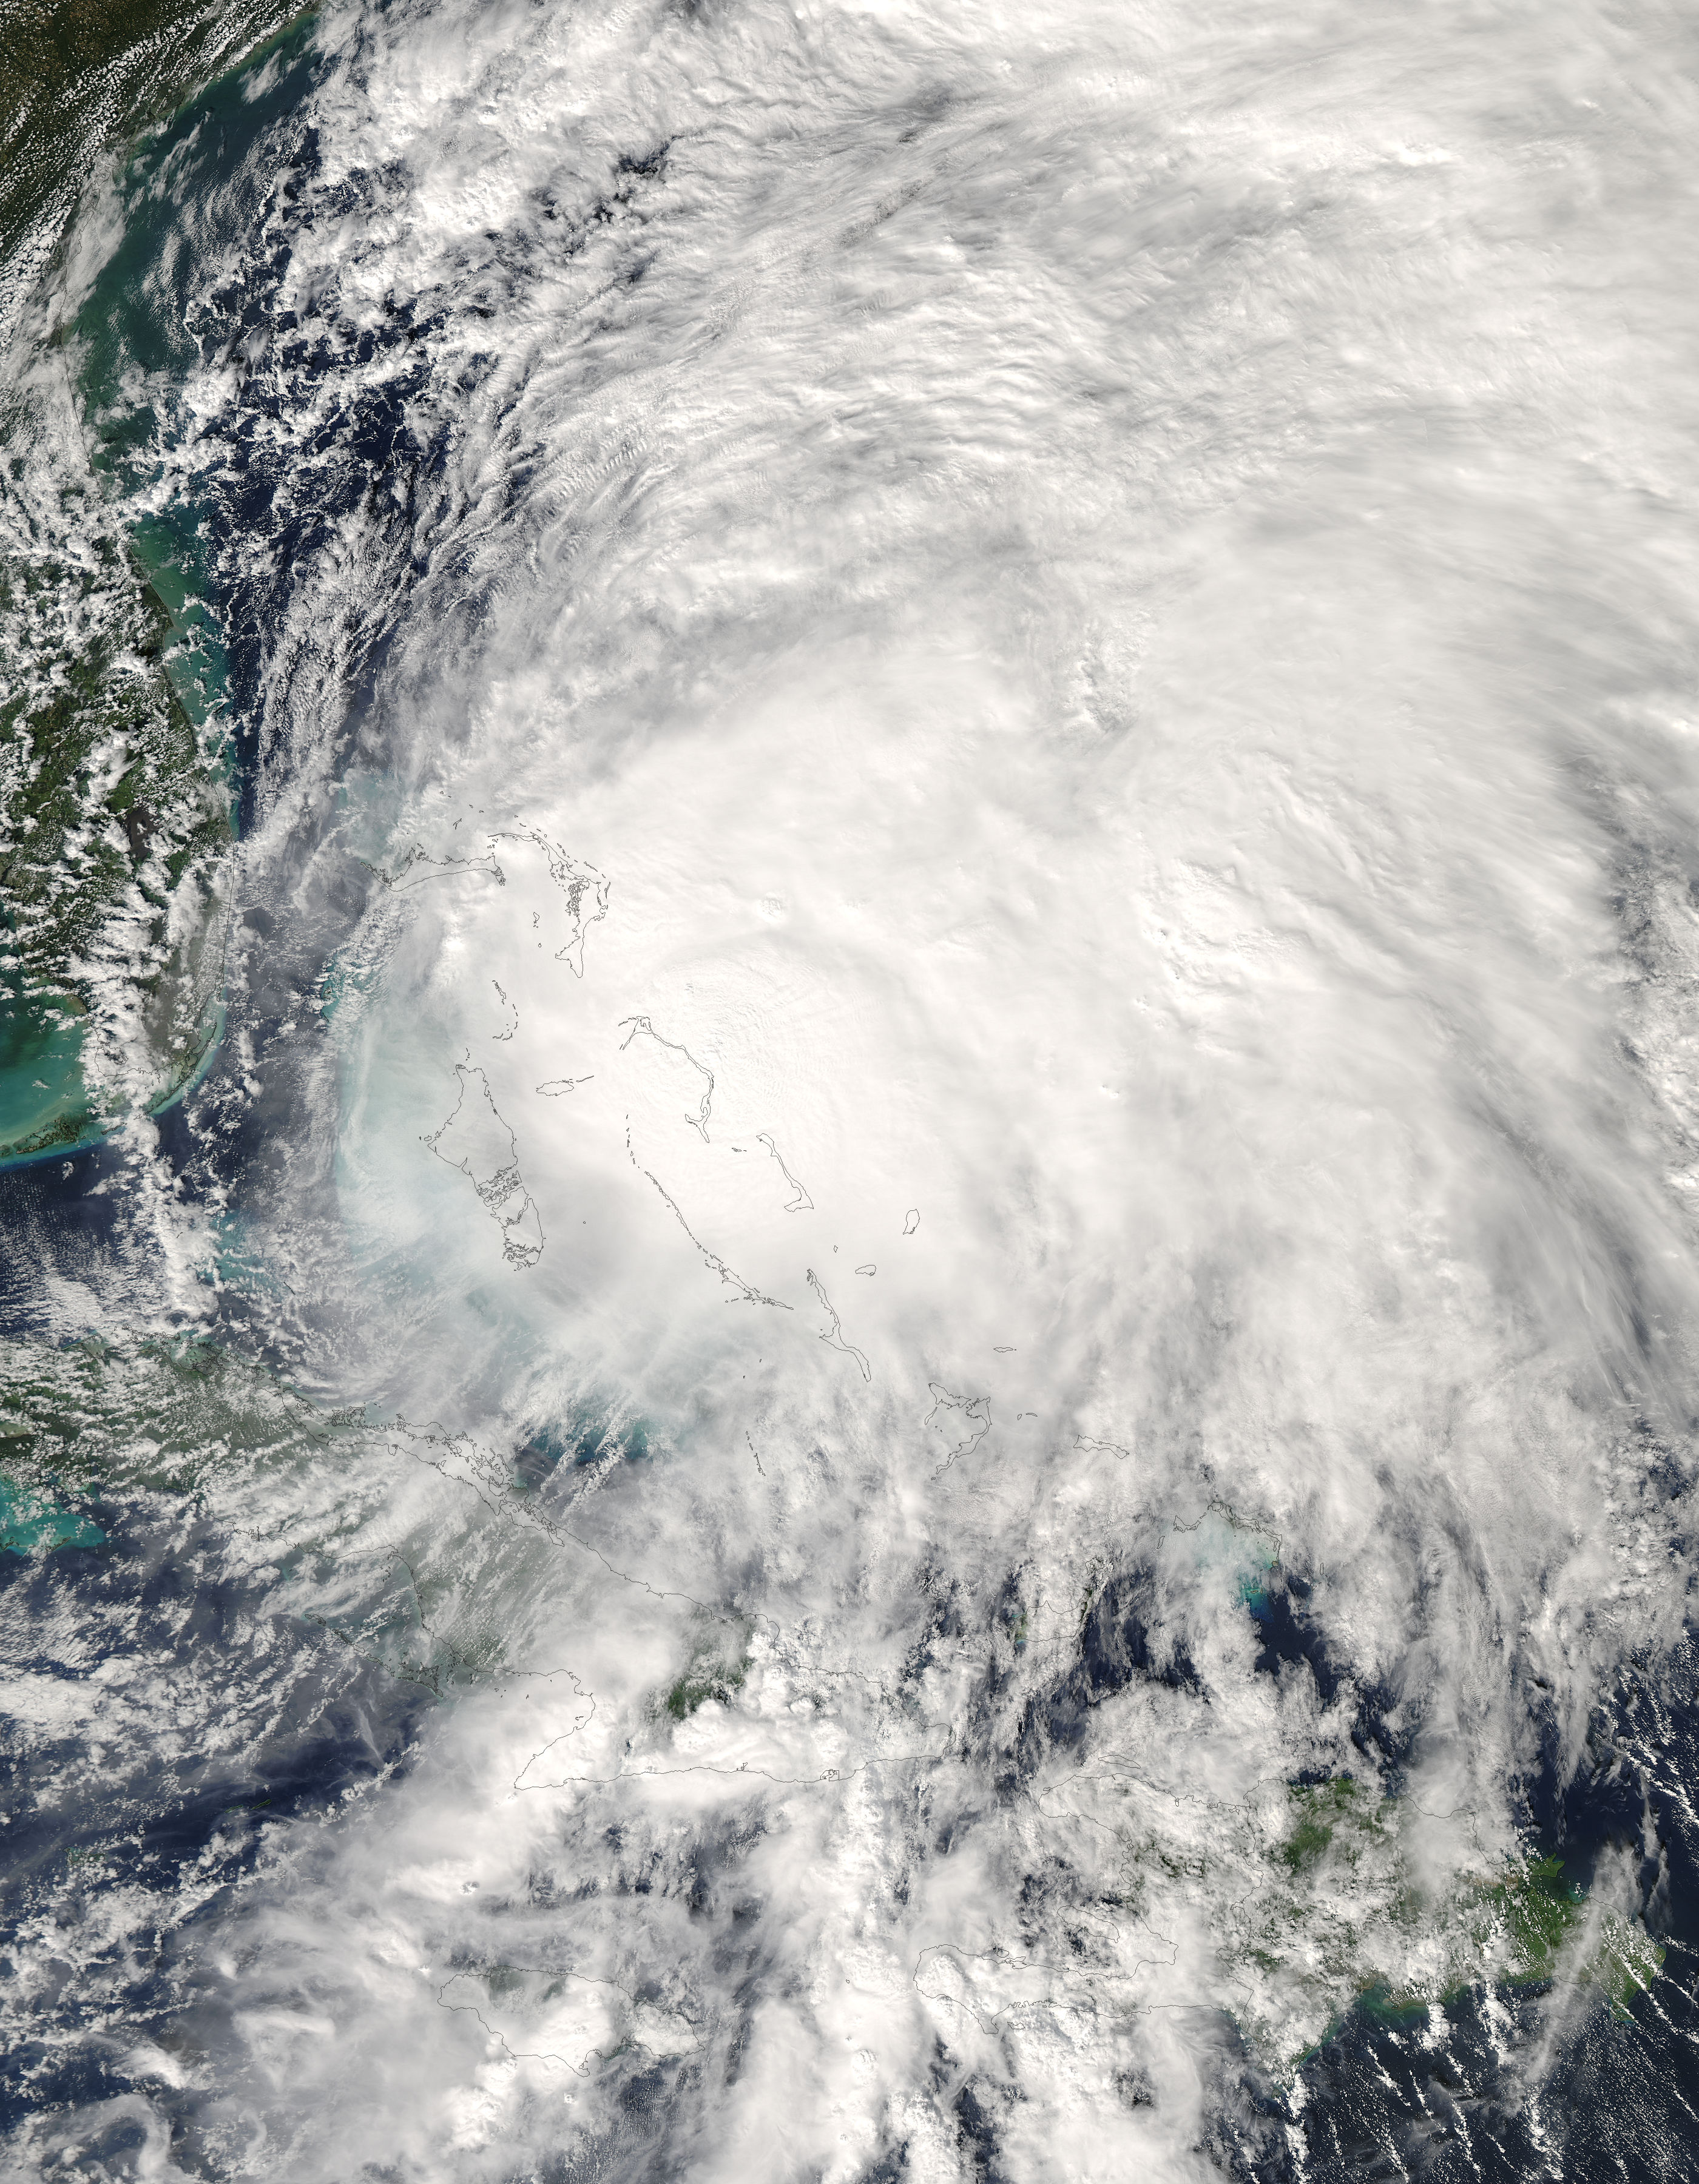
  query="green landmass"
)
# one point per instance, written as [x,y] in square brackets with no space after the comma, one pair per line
[1535,1909]
[1341,1917]
[78,77]
[1319,1810]
[115,806]
[179,1432]
[711,1675]
[162,1418]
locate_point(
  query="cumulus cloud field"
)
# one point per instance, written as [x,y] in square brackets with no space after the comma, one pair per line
[960,999]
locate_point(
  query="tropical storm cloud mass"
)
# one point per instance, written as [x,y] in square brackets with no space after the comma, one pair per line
[850,1229]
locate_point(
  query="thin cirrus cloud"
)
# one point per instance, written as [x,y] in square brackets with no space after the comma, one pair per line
[1043,674]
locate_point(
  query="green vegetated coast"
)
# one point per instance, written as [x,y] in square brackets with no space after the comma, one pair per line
[337,1525]
[1318,1909]
[115,816]
[1341,1875]
[79,76]
[114,800]
[1330,1901]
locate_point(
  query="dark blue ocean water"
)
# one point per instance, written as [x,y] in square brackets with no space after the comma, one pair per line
[327,431]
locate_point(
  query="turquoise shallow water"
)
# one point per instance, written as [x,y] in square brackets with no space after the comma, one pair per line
[31,1521]
[46,1109]
[136,345]
[42,1088]
[1081,1649]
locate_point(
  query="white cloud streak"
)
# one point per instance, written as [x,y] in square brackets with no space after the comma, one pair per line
[1087,618]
